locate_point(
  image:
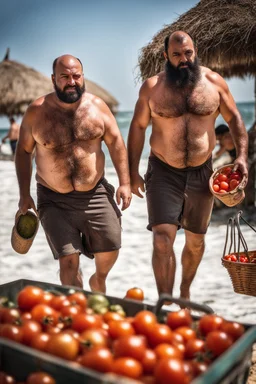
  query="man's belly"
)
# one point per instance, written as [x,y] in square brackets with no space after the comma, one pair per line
[181,160]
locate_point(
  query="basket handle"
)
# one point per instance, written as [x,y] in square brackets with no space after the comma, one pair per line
[184,302]
[230,234]
[240,235]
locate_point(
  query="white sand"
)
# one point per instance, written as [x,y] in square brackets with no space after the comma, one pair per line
[133,268]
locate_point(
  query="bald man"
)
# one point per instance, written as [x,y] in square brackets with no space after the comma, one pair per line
[75,202]
[182,102]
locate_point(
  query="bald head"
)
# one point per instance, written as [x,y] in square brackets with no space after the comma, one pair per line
[66,61]
[177,37]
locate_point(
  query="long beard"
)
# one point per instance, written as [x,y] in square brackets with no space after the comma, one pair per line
[182,77]
[69,97]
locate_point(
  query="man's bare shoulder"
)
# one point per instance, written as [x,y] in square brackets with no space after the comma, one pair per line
[95,101]
[214,77]
[150,83]
[41,101]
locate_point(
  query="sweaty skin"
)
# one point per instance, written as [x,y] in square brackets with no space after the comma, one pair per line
[183,135]
[66,129]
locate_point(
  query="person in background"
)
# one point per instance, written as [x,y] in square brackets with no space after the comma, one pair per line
[182,102]
[75,202]
[12,134]
[225,141]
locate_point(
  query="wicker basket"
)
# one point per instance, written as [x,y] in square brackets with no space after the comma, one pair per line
[231,198]
[20,244]
[242,275]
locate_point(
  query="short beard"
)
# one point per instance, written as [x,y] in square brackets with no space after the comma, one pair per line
[182,77]
[68,97]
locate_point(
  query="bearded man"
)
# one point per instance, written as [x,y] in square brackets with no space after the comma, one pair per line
[75,202]
[182,102]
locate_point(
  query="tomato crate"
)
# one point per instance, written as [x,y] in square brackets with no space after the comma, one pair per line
[19,361]
[233,366]
[16,359]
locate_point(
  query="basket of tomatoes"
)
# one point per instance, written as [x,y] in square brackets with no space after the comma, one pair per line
[227,185]
[239,262]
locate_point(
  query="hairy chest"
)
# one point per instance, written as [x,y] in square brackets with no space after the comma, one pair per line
[201,101]
[57,129]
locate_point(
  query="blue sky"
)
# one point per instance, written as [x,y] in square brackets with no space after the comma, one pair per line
[106,35]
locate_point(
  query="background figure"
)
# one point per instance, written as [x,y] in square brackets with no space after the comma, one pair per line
[12,134]
[183,103]
[75,202]
[225,141]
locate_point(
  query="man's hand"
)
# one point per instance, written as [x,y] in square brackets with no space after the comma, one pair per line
[124,193]
[27,203]
[137,184]
[241,165]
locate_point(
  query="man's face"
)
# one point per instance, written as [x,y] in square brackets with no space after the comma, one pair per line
[182,68]
[68,81]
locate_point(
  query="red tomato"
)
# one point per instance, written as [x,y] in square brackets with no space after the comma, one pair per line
[186,332]
[44,314]
[160,333]
[9,315]
[127,366]
[12,332]
[40,378]
[167,350]
[216,187]
[78,298]
[48,296]
[39,341]
[92,338]
[233,184]
[222,191]
[217,342]
[244,259]
[224,186]
[179,318]
[171,371]
[83,321]
[227,171]
[216,181]
[149,361]
[57,302]
[135,294]
[99,359]
[6,379]
[233,329]
[30,328]
[70,310]
[223,177]
[120,328]
[236,175]
[63,345]
[194,348]
[130,346]
[144,321]
[30,296]
[227,257]
[209,323]
[108,316]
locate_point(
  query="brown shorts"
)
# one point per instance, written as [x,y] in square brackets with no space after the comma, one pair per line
[80,222]
[179,196]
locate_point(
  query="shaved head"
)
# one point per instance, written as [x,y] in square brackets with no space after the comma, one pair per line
[65,60]
[177,37]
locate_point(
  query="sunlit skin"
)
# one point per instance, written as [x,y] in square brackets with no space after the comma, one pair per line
[182,136]
[68,136]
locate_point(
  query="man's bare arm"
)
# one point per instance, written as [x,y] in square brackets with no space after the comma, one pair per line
[23,161]
[232,116]
[136,137]
[116,146]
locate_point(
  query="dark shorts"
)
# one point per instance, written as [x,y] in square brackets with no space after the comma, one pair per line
[13,144]
[179,196]
[80,222]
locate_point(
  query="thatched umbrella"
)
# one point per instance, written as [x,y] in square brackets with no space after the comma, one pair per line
[225,34]
[20,85]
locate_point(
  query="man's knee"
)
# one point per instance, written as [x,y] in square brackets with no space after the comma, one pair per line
[69,263]
[196,242]
[162,241]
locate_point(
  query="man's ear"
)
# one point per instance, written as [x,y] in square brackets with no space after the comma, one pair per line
[165,56]
[53,78]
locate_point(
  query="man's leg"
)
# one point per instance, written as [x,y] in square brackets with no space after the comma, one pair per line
[191,256]
[70,273]
[104,261]
[163,260]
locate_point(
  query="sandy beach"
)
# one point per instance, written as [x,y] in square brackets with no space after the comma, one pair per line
[212,284]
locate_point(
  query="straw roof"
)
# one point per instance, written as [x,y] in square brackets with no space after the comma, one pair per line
[224,32]
[20,85]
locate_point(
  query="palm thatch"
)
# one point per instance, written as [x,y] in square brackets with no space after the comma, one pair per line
[20,85]
[224,32]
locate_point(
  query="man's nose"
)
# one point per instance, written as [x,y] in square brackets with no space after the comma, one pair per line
[71,81]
